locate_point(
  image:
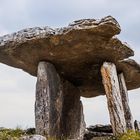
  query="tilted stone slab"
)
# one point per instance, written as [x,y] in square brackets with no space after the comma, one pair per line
[77,51]
[131,70]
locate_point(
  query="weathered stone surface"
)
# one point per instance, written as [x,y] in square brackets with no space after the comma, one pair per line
[125,103]
[89,135]
[73,125]
[49,99]
[58,109]
[131,71]
[33,137]
[100,128]
[83,124]
[98,132]
[77,51]
[114,100]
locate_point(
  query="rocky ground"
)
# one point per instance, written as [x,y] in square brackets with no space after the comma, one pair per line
[98,132]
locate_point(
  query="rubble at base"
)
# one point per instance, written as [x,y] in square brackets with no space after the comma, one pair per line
[98,132]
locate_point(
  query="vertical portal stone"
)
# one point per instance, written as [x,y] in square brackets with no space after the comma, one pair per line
[58,109]
[125,102]
[49,98]
[73,125]
[111,85]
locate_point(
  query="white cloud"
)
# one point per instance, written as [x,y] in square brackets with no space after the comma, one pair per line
[134,99]
[14,14]
[96,111]
[3,31]
[17,96]
[17,109]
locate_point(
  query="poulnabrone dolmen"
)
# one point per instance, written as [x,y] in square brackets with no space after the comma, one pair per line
[84,59]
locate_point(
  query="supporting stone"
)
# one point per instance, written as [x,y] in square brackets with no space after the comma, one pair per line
[49,98]
[125,103]
[73,119]
[137,125]
[58,109]
[111,85]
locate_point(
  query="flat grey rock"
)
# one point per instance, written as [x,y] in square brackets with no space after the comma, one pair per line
[33,137]
[77,51]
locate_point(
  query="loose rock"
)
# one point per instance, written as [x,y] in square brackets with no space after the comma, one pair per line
[33,137]
[98,131]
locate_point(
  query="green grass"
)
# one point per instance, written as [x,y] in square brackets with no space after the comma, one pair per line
[7,134]
[130,135]
[15,134]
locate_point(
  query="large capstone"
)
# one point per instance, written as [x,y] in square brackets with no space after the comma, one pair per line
[77,52]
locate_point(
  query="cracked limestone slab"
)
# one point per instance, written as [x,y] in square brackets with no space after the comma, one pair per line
[77,51]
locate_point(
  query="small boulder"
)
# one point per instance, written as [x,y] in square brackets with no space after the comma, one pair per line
[100,128]
[98,131]
[33,137]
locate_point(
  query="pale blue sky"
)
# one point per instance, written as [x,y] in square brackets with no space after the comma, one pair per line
[17,88]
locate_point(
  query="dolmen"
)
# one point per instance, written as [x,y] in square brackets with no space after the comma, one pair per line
[84,59]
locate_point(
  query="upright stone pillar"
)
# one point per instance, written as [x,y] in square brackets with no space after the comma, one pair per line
[125,103]
[115,106]
[49,99]
[58,109]
[73,119]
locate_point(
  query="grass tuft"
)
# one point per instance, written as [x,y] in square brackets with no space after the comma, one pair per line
[130,135]
[7,134]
